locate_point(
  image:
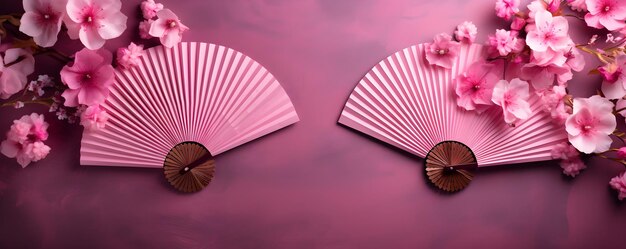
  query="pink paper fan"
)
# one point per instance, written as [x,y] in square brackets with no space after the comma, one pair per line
[411,105]
[194,92]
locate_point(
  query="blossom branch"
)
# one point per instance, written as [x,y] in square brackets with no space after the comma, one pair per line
[45,101]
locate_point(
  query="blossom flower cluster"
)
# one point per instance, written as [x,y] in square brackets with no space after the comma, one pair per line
[161,23]
[25,140]
[77,93]
[537,56]
[93,22]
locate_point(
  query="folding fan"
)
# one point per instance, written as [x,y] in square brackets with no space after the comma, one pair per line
[181,107]
[406,102]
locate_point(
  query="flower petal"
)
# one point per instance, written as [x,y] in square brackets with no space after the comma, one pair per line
[612,24]
[11,82]
[521,109]
[91,96]
[71,97]
[520,88]
[170,39]
[593,20]
[498,92]
[113,26]
[602,143]
[30,25]
[166,14]
[606,123]
[613,90]
[9,148]
[26,66]
[105,77]
[73,28]
[75,8]
[582,143]
[71,77]
[571,125]
[48,36]
[158,28]
[599,104]
[87,60]
[90,38]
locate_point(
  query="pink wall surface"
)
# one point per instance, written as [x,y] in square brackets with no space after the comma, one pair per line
[314,184]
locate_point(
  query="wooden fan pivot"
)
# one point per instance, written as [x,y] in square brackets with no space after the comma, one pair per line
[189,167]
[450,165]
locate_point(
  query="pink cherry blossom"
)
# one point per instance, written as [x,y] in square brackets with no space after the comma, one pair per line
[547,57]
[88,78]
[443,51]
[619,183]
[574,59]
[537,6]
[552,100]
[577,5]
[94,118]
[560,113]
[25,140]
[543,77]
[513,98]
[15,65]
[518,23]
[466,32]
[42,20]
[144,29]
[564,151]
[507,8]
[149,9]
[614,84]
[475,87]
[95,21]
[609,14]
[505,42]
[130,57]
[168,28]
[610,72]
[548,32]
[572,167]
[570,159]
[568,57]
[591,124]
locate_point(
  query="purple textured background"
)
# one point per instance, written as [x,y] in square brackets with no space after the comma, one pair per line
[315,184]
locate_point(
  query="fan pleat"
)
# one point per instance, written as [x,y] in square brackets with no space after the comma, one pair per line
[406,84]
[214,89]
[194,84]
[123,131]
[386,89]
[429,102]
[207,87]
[138,121]
[145,104]
[381,118]
[419,96]
[173,84]
[156,103]
[410,104]
[195,92]
[224,96]
[162,79]
[181,67]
